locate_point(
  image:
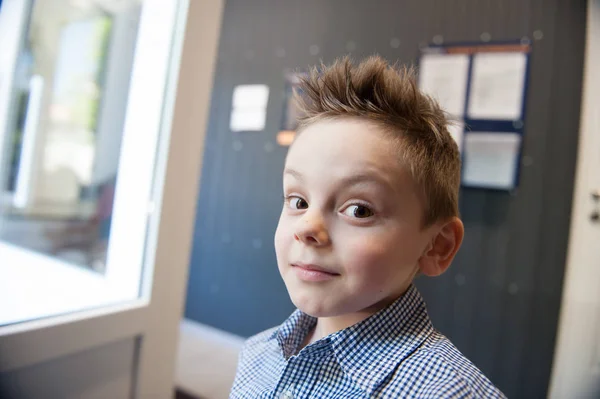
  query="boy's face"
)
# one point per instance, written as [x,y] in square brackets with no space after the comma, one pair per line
[350,235]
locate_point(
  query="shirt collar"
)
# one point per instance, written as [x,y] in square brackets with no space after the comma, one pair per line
[370,350]
[293,331]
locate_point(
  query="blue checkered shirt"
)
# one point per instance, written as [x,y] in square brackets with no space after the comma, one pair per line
[395,353]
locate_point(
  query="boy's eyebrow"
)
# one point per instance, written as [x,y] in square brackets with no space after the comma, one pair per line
[294,173]
[366,178]
[350,180]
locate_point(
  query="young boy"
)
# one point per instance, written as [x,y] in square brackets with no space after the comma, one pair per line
[371,200]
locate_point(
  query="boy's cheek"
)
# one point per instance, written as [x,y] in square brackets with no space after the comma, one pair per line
[364,249]
[376,254]
[364,260]
[282,239]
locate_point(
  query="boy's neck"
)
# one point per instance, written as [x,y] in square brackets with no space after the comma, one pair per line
[329,325]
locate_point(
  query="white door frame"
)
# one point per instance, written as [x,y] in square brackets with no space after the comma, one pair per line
[576,366]
[155,320]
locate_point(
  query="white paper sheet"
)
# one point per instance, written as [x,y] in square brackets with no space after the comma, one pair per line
[491,159]
[497,86]
[250,96]
[444,77]
[249,108]
[252,120]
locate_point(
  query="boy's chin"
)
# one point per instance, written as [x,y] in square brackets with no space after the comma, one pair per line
[315,307]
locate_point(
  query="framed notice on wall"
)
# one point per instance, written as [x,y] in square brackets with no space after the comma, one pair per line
[483,89]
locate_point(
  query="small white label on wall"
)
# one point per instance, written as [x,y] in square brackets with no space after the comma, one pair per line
[249,108]
[248,120]
[491,159]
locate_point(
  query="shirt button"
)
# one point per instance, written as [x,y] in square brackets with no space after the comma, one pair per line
[287,395]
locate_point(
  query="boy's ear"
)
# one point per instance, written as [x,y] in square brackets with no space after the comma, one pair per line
[443,247]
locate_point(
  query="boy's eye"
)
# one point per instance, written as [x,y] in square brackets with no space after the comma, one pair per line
[297,203]
[358,211]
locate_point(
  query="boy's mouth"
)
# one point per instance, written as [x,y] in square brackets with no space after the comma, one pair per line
[311,272]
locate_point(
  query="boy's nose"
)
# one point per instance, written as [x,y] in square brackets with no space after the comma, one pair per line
[311,230]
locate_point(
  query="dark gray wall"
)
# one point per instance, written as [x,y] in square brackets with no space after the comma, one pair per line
[499,302]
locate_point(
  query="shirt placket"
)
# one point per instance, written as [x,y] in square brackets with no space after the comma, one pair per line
[301,373]
[286,387]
